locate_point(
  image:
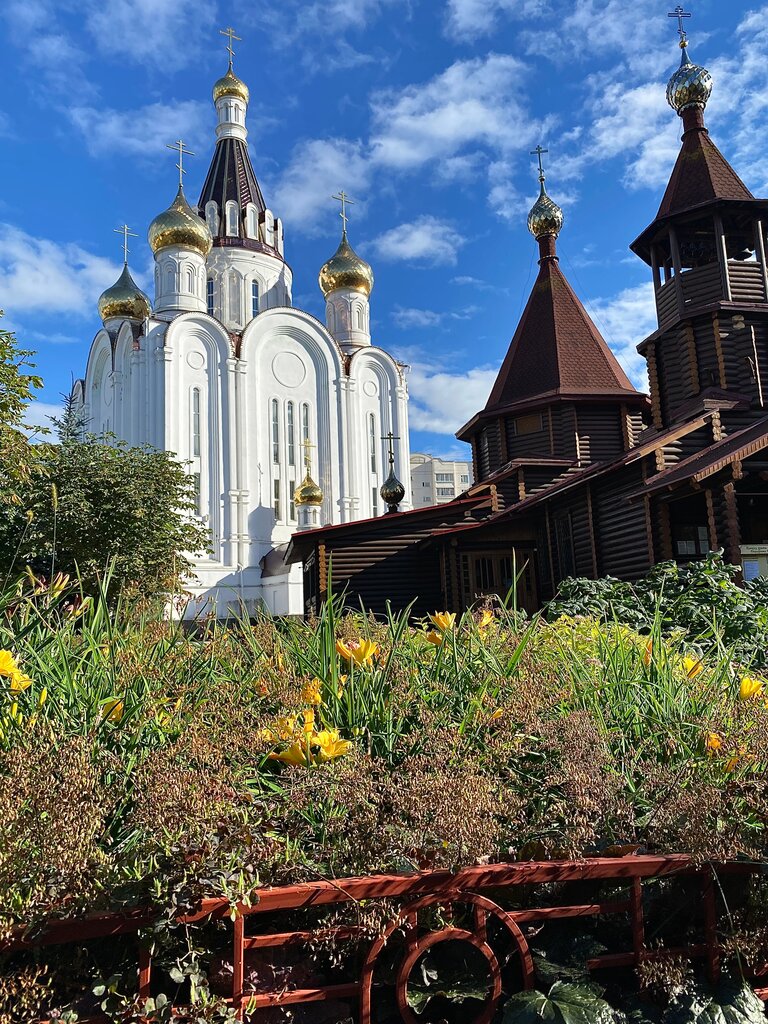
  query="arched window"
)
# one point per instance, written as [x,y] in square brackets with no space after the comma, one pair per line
[254,298]
[372,441]
[234,297]
[275,431]
[360,318]
[291,435]
[251,221]
[305,422]
[189,276]
[209,298]
[232,226]
[330,317]
[212,216]
[195,421]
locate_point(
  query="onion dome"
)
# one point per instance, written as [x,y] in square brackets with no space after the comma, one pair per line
[124,300]
[345,269]
[690,86]
[308,492]
[180,225]
[230,85]
[392,491]
[546,217]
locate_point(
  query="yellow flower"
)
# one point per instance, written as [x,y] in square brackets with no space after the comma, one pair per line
[19,682]
[113,710]
[43,696]
[692,666]
[330,745]
[485,619]
[285,727]
[648,653]
[266,736]
[296,754]
[497,714]
[750,687]
[713,742]
[309,720]
[361,653]
[435,638]
[310,693]
[8,666]
[443,620]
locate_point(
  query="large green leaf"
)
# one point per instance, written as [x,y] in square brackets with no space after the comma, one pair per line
[565,1004]
[729,1005]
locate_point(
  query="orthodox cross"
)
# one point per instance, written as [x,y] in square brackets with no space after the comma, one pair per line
[389,438]
[182,150]
[306,445]
[230,34]
[538,153]
[126,233]
[345,201]
[680,13]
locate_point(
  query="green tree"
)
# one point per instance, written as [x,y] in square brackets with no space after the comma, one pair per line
[17,387]
[97,503]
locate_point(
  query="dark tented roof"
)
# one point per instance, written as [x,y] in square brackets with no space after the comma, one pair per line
[231,178]
[701,175]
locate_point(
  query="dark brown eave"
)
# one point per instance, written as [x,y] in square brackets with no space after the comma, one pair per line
[516,464]
[543,401]
[657,230]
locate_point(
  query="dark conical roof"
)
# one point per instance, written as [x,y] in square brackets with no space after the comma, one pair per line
[556,349]
[231,178]
[701,175]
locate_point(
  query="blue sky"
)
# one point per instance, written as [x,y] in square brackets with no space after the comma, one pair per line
[423,110]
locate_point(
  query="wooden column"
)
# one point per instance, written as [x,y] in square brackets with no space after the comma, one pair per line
[653,381]
[322,566]
[732,538]
[592,542]
[722,257]
[693,359]
[711,522]
[719,351]
[655,268]
[675,248]
[665,532]
[760,250]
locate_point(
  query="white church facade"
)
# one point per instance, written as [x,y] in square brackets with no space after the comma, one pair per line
[224,372]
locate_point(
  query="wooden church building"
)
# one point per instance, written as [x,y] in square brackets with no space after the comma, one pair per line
[578,473]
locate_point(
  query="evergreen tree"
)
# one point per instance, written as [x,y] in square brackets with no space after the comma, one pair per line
[17,387]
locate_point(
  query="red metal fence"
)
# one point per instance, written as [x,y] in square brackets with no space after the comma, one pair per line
[469,896]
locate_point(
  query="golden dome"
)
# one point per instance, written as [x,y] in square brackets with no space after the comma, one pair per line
[690,86]
[546,217]
[345,269]
[180,225]
[308,492]
[392,491]
[230,85]
[124,300]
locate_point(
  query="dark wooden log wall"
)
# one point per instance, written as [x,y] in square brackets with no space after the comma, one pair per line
[620,525]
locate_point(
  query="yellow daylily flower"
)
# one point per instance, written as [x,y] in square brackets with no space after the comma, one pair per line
[113,710]
[713,742]
[692,666]
[497,714]
[285,727]
[648,652]
[485,619]
[750,687]
[309,720]
[8,666]
[296,754]
[310,693]
[43,697]
[19,682]
[330,745]
[443,620]
[435,638]
[362,653]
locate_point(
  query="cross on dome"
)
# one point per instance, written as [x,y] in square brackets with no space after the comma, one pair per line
[345,201]
[680,13]
[182,150]
[389,438]
[538,152]
[229,32]
[125,231]
[306,444]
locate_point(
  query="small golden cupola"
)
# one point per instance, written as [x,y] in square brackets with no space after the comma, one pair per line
[691,85]
[124,300]
[345,269]
[346,282]
[308,492]
[230,85]
[545,217]
[180,225]
[308,496]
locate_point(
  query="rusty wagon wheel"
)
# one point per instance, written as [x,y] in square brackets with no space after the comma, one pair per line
[483,911]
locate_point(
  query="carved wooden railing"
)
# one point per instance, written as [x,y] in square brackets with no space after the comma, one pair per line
[470,897]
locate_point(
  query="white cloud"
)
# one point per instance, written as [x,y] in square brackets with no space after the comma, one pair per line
[469,19]
[42,276]
[143,132]
[441,401]
[163,33]
[427,240]
[624,320]
[471,103]
[318,168]
[38,415]
[406,317]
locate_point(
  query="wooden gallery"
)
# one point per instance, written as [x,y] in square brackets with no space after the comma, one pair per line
[579,474]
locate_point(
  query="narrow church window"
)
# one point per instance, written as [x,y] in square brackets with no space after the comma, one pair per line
[210,296]
[195,421]
[291,502]
[197,494]
[277,500]
[291,436]
[234,297]
[305,422]
[375,500]
[372,439]
[254,298]
[231,218]
[275,431]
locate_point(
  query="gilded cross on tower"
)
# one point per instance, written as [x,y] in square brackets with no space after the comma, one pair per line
[680,13]
[230,34]
[345,201]
[538,152]
[125,231]
[389,438]
[306,445]
[182,150]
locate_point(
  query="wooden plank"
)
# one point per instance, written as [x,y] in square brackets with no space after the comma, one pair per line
[711,522]
[592,542]
[719,351]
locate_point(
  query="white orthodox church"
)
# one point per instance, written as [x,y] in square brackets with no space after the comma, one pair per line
[245,389]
